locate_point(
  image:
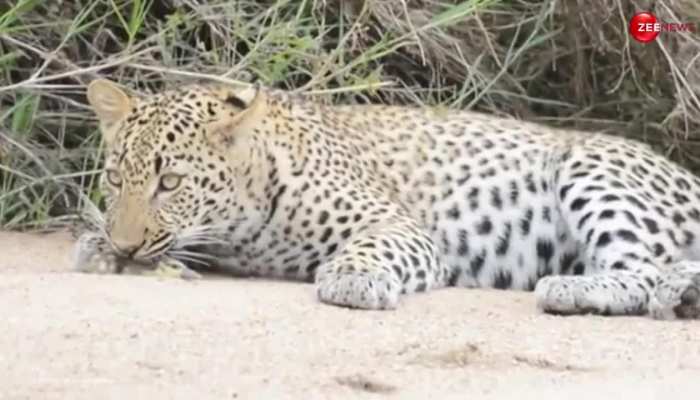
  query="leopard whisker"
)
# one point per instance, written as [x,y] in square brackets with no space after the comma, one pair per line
[192,260]
[185,255]
[199,242]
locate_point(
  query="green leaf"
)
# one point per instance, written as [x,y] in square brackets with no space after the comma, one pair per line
[8,60]
[24,113]
[8,17]
[458,11]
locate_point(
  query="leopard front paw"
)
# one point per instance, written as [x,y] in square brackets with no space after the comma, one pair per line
[556,295]
[91,255]
[348,287]
[601,294]
[676,297]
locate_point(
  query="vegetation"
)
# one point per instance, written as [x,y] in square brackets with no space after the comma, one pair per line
[567,63]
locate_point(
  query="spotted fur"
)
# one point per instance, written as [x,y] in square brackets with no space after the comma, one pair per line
[372,202]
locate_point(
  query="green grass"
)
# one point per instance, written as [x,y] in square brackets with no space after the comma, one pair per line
[562,63]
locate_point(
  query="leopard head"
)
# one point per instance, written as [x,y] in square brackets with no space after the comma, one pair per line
[176,163]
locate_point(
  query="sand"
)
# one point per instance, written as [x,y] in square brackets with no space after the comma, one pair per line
[65,335]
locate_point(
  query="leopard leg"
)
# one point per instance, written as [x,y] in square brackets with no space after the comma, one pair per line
[380,264]
[624,239]
[91,254]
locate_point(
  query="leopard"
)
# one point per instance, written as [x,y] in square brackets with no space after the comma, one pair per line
[371,202]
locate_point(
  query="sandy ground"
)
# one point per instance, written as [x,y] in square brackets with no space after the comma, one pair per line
[65,335]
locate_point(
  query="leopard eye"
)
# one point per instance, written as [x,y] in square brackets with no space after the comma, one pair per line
[169,182]
[114,178]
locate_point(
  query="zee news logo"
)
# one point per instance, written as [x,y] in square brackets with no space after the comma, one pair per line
[645,27]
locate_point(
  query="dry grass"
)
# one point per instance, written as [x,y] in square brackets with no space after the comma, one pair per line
[569,63]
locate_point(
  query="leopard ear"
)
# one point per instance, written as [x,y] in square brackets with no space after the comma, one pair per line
[240,109]
[109,101]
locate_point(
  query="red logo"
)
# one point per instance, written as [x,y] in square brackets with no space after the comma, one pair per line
[644,27]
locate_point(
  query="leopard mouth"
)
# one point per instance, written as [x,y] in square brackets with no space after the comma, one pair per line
[153,252]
